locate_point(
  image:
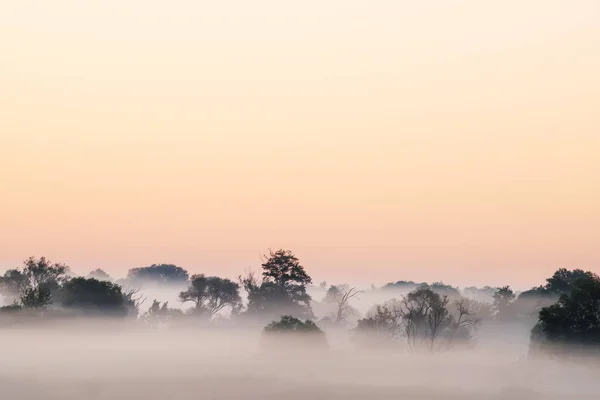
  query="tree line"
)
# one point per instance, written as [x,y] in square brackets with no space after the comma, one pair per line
[416,316]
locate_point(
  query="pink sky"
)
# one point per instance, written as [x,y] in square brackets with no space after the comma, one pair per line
[385,140]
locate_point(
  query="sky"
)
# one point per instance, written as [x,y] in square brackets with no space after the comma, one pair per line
[379,140]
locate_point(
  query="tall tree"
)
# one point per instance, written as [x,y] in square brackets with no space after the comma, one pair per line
[282,290]
[283,268]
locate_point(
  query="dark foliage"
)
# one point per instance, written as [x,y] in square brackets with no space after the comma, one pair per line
[36,298]
[575,318]
[291,333]
[212,294]
[158,273]
[94,297]
[282,290]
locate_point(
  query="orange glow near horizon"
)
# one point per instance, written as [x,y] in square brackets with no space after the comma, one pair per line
[381,140]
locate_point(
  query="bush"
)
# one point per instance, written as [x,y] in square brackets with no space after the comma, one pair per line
[290,333]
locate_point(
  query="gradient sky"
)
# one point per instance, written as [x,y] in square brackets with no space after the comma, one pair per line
[379,140]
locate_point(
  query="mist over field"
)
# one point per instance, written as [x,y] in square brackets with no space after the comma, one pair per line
[64,357]
[86,361]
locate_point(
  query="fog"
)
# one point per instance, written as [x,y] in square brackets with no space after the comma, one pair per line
[99,359]
[90,339]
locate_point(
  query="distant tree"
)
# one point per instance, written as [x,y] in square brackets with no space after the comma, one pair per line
[36,298]
[293,334]
[323,285]
[424,319]
[12,284]
[503,299]
[158,314]
[340,296]
[43,273]
[563,280]
[212,294]
[100,275]
[35,275]
[575,318]
[282,290]
[442,289]
[159,274]
[484,294]
[133,300]
[283,268]
[381,326]
[287,323]
[402,285]
[94,297]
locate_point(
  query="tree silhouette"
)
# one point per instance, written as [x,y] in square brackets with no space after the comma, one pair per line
[12,284]
[36,298]
[159,274]
[503,298]
[100,275]
[423,318]
[283,268]
[158,314]
[282,290]
[575,318]
[563,280]
[211,294]
[42,272]
[36,282]
[93,297]
[291,333]
[340,296]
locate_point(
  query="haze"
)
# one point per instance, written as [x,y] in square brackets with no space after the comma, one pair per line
[452,140]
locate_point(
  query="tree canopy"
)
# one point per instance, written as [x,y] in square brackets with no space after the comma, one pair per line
[212,294]
[158,273]
[93,297]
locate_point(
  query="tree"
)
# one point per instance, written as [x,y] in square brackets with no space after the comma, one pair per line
[283,268]
[212,294]
[423,319]
[93,297]
[282,290]
[402,285]
[12,284]
[563,280]
[35,275]
[159,274]
[36,298]
[133,300]
[382,326]
[291,333]
[575,318]
[340,296]
[158,314]
[42,272]
[503,299]
[100,275]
